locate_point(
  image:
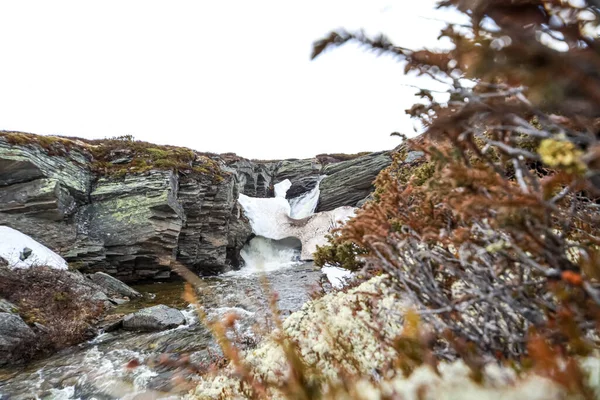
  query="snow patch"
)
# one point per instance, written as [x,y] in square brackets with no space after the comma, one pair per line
[12,244]
[336,276]
[271,218]
[305,205]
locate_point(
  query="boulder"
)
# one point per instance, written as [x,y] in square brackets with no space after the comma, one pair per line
[349,182]
[15,335]
[113,285]
[156,318]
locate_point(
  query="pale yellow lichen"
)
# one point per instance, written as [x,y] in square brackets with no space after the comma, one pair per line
[562,154]
[335,332]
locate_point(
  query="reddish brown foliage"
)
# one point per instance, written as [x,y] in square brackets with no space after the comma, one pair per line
[52,301]
[501,234]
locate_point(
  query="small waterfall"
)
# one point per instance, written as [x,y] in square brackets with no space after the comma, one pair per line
[266,215]
[264,255]
[305,205]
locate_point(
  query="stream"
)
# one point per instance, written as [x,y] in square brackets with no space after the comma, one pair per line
[98,369]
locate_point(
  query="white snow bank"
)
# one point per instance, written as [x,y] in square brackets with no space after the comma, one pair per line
[336,276]
[12,243]
[270,218]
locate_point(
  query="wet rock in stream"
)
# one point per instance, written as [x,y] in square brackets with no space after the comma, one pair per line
[156,318]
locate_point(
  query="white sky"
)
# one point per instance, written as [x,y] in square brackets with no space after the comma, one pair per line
[220,76]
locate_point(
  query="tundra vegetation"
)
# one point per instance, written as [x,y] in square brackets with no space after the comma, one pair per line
[115,157]
[51,301]
[490,239]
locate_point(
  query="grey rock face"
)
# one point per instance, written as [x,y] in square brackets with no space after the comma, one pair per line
[301,186]
[26,163]
[240,232]
[254,179]
[137,221]
[14,336]
[135,226]
[56,235]
[156,318]
[303,174]
[39,193]
[349,182]
[113,285]
[8,307]
[212,234]
[42,198]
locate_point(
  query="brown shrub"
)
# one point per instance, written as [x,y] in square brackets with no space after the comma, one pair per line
[495,236]
[52,301]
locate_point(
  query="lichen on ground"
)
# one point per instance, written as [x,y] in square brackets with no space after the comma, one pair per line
[344,339]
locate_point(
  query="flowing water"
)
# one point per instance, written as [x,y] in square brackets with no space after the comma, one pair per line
[306,204]
[99,369]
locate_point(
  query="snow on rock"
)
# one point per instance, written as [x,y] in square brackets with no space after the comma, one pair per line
[336,276]
[271,219]
[306,204]
[13,249]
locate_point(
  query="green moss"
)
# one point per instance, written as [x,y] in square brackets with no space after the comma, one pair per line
[338,253]
[140,156]
[147,156]
[53,145]
[419,173]
[157,153]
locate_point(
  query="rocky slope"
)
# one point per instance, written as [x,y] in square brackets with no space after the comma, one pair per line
[131,208]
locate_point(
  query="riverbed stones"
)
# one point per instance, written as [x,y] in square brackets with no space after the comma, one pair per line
[156,318]
[113,285]
[14,335]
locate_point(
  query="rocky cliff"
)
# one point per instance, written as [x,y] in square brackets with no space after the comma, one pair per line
[131,208]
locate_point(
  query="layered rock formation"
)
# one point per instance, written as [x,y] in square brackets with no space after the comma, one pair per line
[131,208]
[349,182]
[131,223]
